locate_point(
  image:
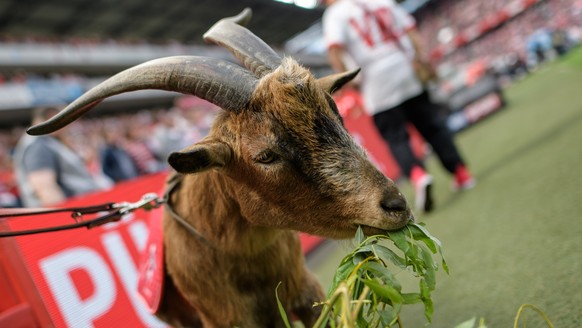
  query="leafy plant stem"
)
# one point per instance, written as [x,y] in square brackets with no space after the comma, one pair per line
[399,321]
[360,301]
[536,309]
[341,291]
[281,309]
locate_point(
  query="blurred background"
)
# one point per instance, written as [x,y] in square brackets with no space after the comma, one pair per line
[52,51]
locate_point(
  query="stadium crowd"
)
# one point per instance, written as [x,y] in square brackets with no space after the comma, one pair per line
[509,38]
[146,137]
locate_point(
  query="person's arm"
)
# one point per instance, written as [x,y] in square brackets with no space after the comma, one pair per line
[334,36]
[415,39]
[44,184]
[421,62]
[335,55]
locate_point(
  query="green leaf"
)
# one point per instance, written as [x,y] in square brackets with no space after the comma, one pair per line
[382,273]
[467,324]
[419,235]
[419,232]
[444,265]
[399,239]
[426,299]
[358,289]
[360,237]
[387,317]
[387,293]
[411,298]
[282,311]
[430,268]
[361,321]
[361,256]
[341,274]
[386,253]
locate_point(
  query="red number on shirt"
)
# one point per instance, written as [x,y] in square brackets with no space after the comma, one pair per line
[379,18]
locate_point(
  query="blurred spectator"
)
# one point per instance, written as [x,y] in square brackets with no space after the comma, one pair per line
[116,162]
[170,134]
[8,189]
[137,147]
[560,41]
[47,170]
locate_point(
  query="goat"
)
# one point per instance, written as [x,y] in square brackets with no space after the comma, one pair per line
[277,160]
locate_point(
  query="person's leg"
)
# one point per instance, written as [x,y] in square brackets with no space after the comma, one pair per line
[427,119]
[425,116]
[391,125]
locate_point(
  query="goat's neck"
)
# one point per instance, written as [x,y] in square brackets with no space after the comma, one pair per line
[207,203]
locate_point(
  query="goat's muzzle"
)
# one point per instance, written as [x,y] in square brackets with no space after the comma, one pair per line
[393,214]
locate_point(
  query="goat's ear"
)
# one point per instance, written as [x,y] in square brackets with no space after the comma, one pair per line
[332,83]
[200,157]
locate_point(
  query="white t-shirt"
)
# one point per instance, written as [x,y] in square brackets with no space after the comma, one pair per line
[373,33]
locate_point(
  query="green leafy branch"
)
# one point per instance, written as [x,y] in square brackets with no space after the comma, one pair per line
[365,293]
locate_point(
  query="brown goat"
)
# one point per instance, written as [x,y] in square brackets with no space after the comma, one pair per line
[277,160]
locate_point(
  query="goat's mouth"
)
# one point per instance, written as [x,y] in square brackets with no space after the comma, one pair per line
[380,228]
[371,231]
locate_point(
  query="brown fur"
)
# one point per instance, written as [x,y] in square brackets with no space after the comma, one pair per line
[282,165]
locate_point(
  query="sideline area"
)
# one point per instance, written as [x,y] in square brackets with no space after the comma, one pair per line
[517,237]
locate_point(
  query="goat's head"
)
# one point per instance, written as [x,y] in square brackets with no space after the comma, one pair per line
[280,137]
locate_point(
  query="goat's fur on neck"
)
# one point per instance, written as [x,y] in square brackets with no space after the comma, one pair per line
[239,259]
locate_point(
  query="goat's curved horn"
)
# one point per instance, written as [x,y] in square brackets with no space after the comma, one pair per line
[227,85]
[253,52]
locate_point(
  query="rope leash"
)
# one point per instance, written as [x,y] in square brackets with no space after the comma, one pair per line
[116,211]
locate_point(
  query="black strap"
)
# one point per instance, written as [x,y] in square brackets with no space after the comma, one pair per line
[173,184]
[115,212]
[77,212]
[15,212]
[110,217]
[113,216]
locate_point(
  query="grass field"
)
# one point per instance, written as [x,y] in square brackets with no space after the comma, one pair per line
[517,237]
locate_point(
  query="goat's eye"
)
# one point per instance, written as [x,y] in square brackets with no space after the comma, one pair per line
[267,157]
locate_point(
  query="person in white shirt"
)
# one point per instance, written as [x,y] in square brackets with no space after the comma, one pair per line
[381,38]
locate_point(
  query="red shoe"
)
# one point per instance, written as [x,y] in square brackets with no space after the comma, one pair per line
[463,179]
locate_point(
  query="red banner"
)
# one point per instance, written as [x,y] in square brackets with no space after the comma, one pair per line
[87,278]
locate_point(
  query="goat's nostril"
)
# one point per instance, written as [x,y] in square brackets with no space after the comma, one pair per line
[393,204]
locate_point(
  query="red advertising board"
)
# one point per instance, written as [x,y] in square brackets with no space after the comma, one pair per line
[87,278]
